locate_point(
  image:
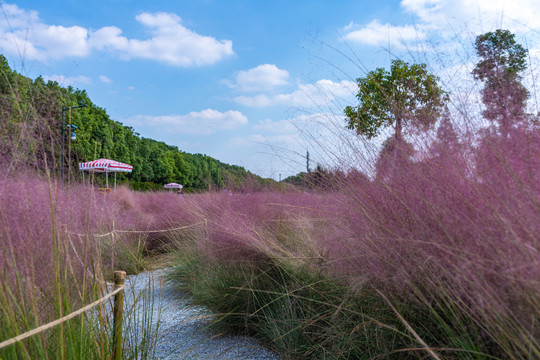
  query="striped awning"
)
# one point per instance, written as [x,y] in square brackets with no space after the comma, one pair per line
[105,165]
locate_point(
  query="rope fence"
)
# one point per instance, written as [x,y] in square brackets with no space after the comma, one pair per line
[114,231]
[119,290]
[158,231]
[118,293]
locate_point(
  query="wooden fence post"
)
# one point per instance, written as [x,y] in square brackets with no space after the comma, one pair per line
[118,313]
[113,246]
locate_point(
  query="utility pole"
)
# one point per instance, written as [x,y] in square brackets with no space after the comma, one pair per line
[307,161]
[71,128]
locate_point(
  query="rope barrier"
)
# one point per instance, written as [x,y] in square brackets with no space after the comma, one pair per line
[142,231]
[158,231]
[58,321]
[94,235]
[103,235]
[297,220]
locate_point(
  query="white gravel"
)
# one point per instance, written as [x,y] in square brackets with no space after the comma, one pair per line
[181,329]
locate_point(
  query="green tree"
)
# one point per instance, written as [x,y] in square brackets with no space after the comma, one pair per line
[31,128]
[182,171]
[407,95]
[502,61]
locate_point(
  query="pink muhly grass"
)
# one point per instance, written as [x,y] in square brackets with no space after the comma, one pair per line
[457,226]
[248,226]
[35,211]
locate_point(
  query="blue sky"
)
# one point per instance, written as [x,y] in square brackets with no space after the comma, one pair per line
[251,83]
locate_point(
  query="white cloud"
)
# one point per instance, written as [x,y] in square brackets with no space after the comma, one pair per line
[260,78]
[204,122]
[282,126]
[386,35]
[450,20]
[322,93]
[17,17]
[60,41]
[105,79]
[24,34]
[287,131]
[171,42]
[66,80]
[282,140]
[478,16]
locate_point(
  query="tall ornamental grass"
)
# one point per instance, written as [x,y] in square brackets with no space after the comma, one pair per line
[436,255]
[56,254]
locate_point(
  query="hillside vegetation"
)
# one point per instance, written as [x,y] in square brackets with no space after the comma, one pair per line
[31,136]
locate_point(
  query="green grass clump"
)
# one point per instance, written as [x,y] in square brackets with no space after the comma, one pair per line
[25,305]
[300,313]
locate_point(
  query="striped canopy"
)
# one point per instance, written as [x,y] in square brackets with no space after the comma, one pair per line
[105,166]
[172,186]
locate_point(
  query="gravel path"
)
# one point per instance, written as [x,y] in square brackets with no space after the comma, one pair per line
[182,329]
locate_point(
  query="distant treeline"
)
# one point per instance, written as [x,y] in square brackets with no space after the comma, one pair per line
[31,137]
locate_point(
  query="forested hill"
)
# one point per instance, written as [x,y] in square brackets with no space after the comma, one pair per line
[31,137]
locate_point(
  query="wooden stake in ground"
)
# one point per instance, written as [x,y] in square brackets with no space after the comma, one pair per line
[119,280]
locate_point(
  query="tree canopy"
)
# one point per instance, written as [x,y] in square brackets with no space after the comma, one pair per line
[30,137]
[407,95]
[502,61]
